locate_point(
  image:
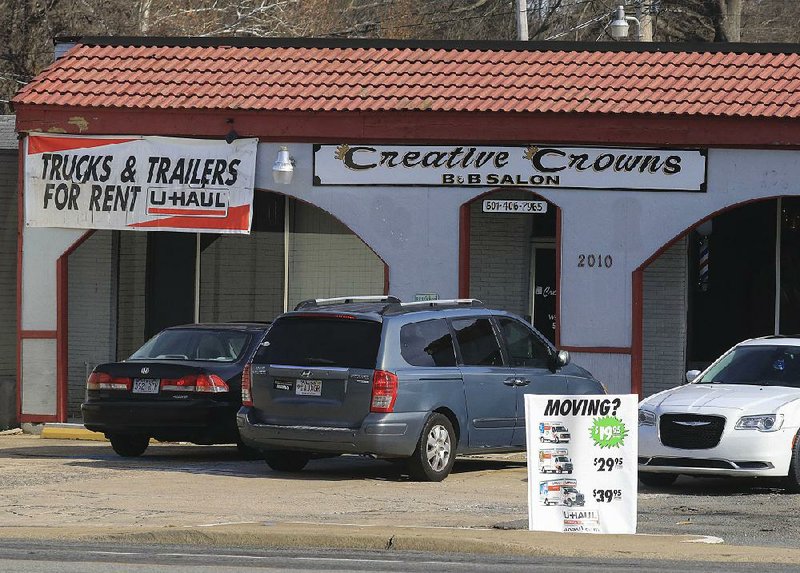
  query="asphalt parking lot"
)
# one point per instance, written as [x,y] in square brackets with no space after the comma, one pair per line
[78,487]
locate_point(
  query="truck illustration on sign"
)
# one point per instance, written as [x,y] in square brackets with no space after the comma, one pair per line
[553,432]
[555,461]
[560,492]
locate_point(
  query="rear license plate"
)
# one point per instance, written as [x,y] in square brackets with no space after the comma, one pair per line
[145,385]
[308,388]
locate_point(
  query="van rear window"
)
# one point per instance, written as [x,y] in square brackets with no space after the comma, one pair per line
[322,341]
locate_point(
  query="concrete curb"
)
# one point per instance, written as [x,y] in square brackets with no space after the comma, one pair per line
[294,535]
[70,432]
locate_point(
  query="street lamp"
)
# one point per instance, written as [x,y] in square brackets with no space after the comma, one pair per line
[619,25]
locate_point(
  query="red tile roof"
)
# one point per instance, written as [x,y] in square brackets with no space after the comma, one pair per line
[358,76]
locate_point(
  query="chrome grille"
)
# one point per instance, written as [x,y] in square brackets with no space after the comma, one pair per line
[690,431]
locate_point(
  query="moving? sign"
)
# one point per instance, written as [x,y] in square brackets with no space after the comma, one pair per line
[582,463]
[139,182]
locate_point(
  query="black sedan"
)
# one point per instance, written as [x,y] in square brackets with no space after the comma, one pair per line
[183,385]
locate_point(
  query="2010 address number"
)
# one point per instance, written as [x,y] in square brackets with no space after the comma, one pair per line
[595,261]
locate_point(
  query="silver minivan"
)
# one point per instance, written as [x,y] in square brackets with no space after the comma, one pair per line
[421,382]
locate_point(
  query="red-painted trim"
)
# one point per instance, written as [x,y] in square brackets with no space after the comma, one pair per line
[637,329]
[637,294]
[693,226]
[558,279]
[598,349]
[464,235]
[62,327]
[60,334]
[74,246]
[40,334]
[423,126]
[62,339]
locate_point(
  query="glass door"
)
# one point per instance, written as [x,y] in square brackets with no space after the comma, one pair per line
[544,285]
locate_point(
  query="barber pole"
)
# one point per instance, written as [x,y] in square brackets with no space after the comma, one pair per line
[703,264]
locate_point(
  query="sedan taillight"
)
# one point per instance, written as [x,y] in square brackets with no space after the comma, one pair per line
[210,383]
[104,381]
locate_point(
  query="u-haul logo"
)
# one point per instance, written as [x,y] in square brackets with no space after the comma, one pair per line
[188,202]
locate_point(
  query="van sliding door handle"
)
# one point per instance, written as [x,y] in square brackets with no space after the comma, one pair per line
[511,381]
[523,381]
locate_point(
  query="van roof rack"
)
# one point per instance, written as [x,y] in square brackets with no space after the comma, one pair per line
[443,302]
[317,302]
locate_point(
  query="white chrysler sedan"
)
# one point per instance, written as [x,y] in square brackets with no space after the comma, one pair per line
[739,417]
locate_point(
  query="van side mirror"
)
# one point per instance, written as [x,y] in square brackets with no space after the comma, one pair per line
[559,360]
[692,375]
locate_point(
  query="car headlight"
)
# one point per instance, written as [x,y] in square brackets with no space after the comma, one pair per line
[646,418]
[763,423]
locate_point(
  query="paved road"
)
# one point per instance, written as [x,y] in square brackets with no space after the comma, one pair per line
[95,558]
[84,487]
[746,512]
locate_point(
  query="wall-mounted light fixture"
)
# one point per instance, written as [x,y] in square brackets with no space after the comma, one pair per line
[283,168]
[232,135]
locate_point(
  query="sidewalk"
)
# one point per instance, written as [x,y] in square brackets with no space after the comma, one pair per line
[74,489]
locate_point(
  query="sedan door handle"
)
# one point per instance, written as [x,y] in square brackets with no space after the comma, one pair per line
[511,381]
[523,382]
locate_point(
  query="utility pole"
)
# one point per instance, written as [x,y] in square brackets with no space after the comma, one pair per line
[522,20]
[645,15]
[144,16]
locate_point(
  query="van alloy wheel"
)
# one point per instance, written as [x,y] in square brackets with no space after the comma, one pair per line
[438,448]
[435,453]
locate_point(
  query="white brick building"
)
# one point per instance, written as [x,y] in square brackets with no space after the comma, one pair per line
[609,272]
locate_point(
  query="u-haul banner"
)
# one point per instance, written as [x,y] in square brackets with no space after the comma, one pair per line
[582,463]
[139,182]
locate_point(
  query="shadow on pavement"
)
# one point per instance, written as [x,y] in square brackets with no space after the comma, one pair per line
[226,460]
[718,486]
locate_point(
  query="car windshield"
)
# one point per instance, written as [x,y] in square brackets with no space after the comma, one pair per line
[761,365]
[194,344]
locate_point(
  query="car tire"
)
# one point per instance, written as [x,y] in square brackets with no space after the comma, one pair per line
[792,481]
[286,461]
[435,453]
[657,480]
[129,445]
